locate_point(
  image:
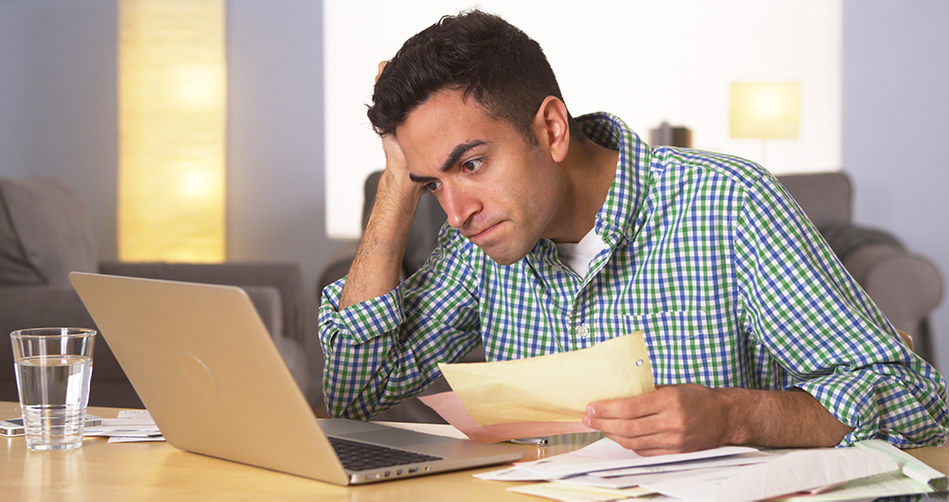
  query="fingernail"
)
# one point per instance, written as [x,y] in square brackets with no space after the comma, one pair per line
[591,411]
[586,420]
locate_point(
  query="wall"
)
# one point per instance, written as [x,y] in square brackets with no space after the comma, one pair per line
[58,117]
[896,125]
[58,104]
[275,192]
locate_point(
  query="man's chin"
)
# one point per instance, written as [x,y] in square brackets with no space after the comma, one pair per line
[503,257]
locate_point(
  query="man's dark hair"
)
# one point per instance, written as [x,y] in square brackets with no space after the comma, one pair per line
[480,54]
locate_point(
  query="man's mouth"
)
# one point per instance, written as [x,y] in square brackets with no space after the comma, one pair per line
[484,232]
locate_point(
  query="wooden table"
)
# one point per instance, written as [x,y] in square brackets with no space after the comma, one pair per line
[157,471]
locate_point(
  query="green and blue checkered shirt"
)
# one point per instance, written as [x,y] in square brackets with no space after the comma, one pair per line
[707,254]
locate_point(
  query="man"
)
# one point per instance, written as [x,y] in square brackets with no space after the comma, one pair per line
[566,232]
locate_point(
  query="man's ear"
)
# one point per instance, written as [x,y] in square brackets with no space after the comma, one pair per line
[552,127]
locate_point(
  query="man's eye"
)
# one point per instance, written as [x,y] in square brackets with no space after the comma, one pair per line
[472,165]
[431,187]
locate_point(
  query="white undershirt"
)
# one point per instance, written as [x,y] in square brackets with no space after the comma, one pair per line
[577,257]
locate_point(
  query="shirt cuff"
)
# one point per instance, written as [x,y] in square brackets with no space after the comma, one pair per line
[364,321]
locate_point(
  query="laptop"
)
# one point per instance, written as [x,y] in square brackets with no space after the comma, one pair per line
[207,370]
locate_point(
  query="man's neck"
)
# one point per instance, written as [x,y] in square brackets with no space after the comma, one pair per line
[590,169]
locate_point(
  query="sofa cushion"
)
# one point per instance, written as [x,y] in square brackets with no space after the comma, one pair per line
[45,232]
[824,197]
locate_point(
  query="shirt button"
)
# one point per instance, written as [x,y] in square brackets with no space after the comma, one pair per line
[583,331]
[557,268]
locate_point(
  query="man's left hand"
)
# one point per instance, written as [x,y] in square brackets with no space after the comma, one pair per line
[672,419]
[689,417]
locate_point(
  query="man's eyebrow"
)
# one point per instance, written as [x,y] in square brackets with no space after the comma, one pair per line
[452,159]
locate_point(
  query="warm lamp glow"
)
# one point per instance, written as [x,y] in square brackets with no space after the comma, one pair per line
[172,123]
[765,110]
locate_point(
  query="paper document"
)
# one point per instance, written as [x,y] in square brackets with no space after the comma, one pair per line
[729,474]
[555,387]
[782,475]
[449,407]
[888,484]
[606,454]
[573,493]
[129,426]
[909,465]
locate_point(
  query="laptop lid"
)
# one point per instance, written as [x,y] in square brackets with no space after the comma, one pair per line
[203,363]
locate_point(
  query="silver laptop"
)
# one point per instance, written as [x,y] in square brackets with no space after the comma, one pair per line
[207,370]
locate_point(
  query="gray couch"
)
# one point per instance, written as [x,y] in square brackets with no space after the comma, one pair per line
[906,286]
[46,232]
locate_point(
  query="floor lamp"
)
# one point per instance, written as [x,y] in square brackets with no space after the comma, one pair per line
[172,130]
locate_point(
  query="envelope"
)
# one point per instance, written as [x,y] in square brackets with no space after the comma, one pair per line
[555,387]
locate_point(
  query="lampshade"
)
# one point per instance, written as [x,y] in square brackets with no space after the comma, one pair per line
[765,110]
[172,123]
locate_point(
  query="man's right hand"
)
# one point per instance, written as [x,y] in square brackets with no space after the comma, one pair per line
[377,265]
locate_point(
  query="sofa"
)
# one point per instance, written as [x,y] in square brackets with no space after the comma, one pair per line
[46,232]
[906,286]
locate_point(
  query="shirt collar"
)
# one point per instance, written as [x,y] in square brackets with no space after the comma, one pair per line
[617,218]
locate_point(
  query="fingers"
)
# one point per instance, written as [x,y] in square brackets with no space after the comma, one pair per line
[622,408]
[382,65]
[649,446]
[671,419]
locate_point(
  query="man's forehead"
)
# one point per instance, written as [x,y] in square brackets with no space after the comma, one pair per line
[442,127]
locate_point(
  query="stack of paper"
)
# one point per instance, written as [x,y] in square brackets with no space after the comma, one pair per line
[130,426]
[549,394]
[606,471]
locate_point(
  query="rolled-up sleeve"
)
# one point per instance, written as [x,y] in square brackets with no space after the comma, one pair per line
[387,349]
[816,322]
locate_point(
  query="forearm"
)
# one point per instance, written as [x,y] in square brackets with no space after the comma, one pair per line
[791,418]
[691,417]
[378,261]
[377,353]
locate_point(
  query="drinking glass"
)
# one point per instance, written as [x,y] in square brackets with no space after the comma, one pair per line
[53,370]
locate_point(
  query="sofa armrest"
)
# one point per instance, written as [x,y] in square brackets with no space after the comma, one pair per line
[907,287]
[53,306]
[285,278]
[337,266]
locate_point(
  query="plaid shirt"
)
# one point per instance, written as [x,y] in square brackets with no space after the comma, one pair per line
[707,254]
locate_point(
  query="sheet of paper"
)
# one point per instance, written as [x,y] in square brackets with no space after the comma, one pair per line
[784,474]
[573,493]
[909,465]
[889,484]
[129,426]
[509,474]
[754,457]
[606,454]
[555,387]
[624,482]
[445,430]
[449,407]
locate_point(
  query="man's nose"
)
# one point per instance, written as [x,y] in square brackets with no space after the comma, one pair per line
[459,206]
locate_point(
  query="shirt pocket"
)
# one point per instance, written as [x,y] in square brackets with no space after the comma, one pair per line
[679,345]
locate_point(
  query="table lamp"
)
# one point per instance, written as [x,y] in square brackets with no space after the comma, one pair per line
[765,110]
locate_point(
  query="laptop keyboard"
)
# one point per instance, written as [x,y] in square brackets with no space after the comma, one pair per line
[357,456]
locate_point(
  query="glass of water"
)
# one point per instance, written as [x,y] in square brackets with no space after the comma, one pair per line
[53,370]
